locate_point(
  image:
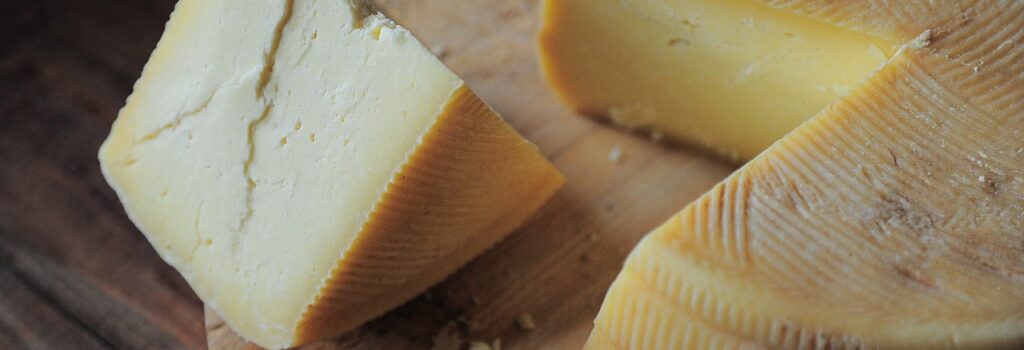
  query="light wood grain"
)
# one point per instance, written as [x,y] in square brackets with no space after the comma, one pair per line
[558,266]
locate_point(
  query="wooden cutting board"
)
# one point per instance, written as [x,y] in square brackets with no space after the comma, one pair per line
[557,267]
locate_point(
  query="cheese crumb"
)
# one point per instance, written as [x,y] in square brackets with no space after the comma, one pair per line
[615,154]
[656,136]
[525,322]
[479,345]
[981,178]
[448,338]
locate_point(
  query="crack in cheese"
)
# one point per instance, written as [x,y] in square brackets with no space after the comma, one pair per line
[892,219]
[307,165]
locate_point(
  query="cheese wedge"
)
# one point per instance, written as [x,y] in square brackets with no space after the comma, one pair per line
[730,75]
[307,165]
[893,219]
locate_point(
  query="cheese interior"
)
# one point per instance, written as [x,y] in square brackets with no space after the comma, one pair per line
[733,75]
[257,141]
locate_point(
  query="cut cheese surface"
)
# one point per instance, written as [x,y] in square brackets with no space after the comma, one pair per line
[892,219]
[307,165]
[703,72]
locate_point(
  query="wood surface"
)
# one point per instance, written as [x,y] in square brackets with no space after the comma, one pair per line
[76,274]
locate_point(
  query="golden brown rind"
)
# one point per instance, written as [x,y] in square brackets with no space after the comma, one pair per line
[894,219]
[470,182]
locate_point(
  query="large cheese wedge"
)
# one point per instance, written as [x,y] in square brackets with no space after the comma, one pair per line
[307,165]
[893,219]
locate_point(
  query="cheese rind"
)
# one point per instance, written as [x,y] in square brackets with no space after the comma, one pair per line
[471,181]
[310,165]
[890,220]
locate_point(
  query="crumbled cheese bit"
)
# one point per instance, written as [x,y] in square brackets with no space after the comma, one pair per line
[981,178]
[525,322]
[479,345]
[448,338]
[615,154]
[656,136]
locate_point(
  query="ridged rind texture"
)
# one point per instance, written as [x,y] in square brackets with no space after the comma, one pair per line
[892,19]
[470,182]
[893,219]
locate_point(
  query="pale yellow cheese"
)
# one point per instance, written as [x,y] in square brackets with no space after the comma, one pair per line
[892,219]
[307,165]
[732,75]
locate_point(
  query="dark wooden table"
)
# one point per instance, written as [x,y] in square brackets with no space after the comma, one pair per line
[74,273]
